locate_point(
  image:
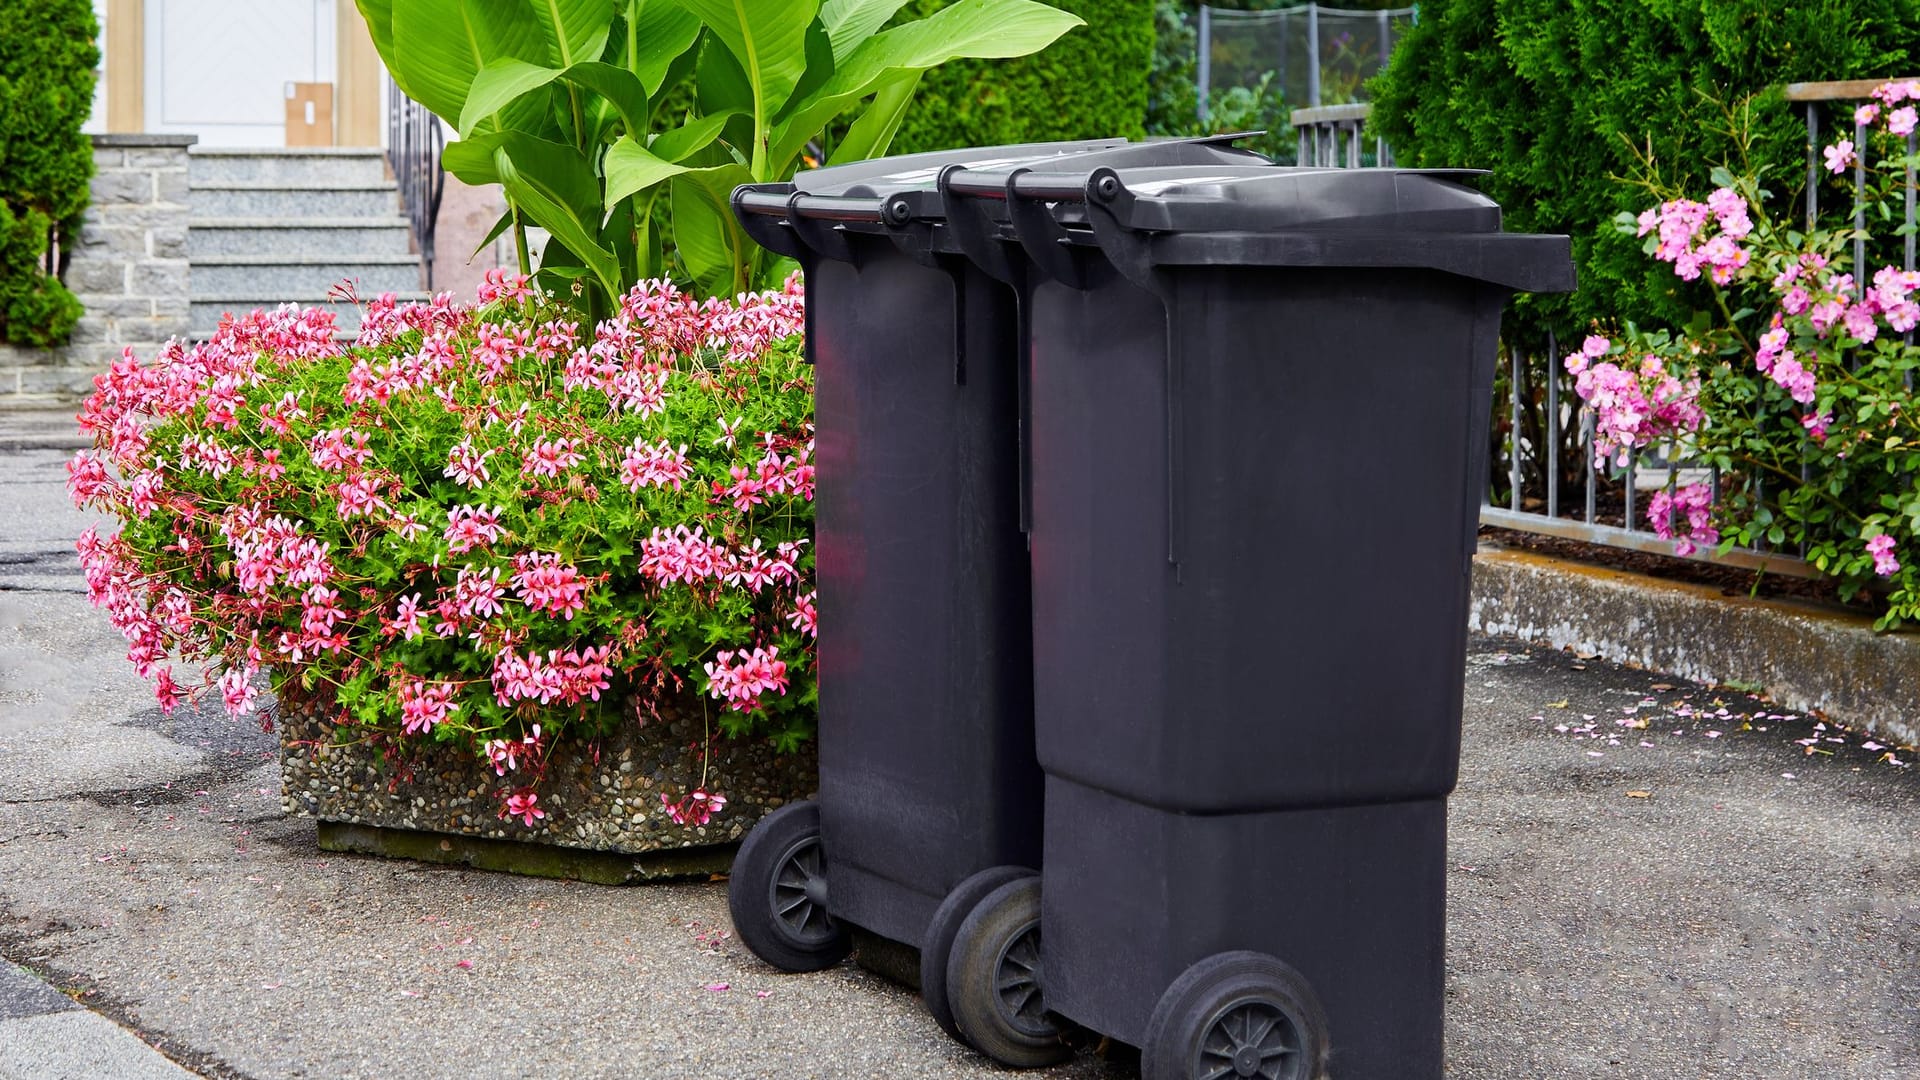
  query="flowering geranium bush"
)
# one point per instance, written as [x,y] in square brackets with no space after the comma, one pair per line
[1796,384]
[482,526]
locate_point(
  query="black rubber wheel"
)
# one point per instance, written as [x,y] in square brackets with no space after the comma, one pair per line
[778,893]
[1234,1016]
[994,980]
[937,949]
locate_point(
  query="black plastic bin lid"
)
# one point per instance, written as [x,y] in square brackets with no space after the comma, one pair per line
[861,192]
[1198,216]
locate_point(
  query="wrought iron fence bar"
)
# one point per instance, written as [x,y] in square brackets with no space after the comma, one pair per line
[1633,492]
[1518,366]
[1813,164]
[1613,536]
[414,145]
[1859,210]
[1553,428]
[1586,442]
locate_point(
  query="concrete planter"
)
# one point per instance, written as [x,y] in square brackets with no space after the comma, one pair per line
[605,821]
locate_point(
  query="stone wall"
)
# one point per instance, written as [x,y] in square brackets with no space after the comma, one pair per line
[129,269]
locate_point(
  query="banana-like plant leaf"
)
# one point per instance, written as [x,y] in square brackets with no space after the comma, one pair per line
[870,135]
[471,158]
[769,39]
[576,30]
[970,28]
[633,168]
[711,243]
[379,17]
[658,32]
[441,45]
[819,67]
[504,81]
[720,84]
[552,183]
[499,229]
[689,138]
[973,29]
[849,22]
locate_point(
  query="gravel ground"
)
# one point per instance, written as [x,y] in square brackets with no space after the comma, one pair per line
[1700,897]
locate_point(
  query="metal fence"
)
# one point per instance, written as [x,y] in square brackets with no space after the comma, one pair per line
[1307,55]
[414,142]
[1544,429]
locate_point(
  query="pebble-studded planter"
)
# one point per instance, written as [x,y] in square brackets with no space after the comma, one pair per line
[605,820]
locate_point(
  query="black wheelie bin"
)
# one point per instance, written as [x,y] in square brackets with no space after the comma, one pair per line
[1259,403]
[930,794]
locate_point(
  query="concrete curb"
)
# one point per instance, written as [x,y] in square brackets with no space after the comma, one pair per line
[46,1035]
[1804,657]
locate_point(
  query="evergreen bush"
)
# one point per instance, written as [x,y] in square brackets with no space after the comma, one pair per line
[48,54]
[1561,98]
[1092,83]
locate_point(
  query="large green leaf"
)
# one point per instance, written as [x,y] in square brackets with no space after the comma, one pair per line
[633,168]
[554,185]
[689,138]
[849,22]
[880,121]
[504,81]
[974,29]
[717,253]
[379,17]
[970,28]
[769,38]
[471,159]
[441,45]
[576,30]
[658,31]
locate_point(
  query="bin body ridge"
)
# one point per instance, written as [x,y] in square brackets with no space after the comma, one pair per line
[926,723]
[1296,565]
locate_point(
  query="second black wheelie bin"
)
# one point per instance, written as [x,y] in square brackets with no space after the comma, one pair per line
[929,794]
[1259,405]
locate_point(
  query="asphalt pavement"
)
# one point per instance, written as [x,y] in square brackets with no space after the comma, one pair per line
[1649,879]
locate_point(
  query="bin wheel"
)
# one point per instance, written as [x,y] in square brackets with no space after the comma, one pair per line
[994,980]
[1236,1015]
[778,893]
[937,950]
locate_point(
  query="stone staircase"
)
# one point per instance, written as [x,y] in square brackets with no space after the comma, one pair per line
[276,225]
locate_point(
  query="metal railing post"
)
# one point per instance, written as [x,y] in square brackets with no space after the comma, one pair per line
[1205,66]
[1313,55]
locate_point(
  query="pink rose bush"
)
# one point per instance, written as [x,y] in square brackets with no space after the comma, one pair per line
[483,526]
[1796,383]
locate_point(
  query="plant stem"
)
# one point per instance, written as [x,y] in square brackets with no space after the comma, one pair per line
[520,240]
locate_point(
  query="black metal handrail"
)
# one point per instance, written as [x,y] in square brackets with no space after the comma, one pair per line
[414,142]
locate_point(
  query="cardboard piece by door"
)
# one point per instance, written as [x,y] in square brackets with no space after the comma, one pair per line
[309,114]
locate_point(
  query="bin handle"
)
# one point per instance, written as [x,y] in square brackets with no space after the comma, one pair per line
[971,228]
[750,203]
[1043,239]
[754,199]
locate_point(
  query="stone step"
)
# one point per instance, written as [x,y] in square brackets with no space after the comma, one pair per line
[317,167]
[275,199]
[294,275]
[208,309]
[306,237]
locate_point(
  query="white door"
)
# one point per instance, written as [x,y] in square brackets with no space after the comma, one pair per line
[219,68]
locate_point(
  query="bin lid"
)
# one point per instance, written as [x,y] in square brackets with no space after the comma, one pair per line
[905,170]
[1210,152]
[1188,216]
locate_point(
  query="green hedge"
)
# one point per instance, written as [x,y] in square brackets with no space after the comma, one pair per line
[1090,84]
[47,60]
[1554,95]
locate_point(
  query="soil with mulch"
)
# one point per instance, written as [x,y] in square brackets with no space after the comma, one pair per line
[1730,580]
